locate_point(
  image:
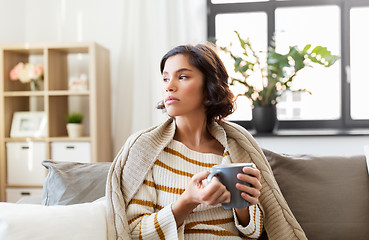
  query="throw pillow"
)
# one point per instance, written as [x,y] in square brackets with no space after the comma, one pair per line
[328,195]
[72,182]
[37,222]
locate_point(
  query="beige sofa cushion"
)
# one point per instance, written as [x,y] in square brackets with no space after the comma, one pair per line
[329,196]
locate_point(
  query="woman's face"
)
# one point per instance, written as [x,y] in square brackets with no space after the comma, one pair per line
[182,87]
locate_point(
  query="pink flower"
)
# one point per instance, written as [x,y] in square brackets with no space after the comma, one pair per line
[14,73]
[27,72]
[36,72]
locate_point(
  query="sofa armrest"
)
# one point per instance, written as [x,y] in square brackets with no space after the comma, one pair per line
[73,222]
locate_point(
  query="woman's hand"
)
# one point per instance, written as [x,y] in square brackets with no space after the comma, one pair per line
[211,194]
[252,176]
[196,193]
[249,193]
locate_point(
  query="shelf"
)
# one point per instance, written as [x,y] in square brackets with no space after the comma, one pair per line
[42,93]
[68,139]
[25,139]
[83,66]
[23,93]
[68,93]
[49,139]
[25,50]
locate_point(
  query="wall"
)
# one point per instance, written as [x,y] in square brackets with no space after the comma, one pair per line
[12,12]
[102,21]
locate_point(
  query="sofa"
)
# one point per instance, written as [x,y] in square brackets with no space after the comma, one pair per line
[329,196]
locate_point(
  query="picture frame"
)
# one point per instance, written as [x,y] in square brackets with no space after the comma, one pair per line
[28,124]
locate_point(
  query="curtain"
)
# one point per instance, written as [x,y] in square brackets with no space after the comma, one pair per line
[150,29]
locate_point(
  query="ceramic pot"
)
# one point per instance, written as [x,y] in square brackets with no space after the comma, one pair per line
[264,118]
[74,130]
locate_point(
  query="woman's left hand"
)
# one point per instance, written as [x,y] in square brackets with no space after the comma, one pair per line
[250,193]
[252,176]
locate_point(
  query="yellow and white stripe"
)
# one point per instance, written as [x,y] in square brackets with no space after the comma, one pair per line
[149,212]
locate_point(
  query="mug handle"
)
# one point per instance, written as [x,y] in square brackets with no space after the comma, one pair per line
[211,175]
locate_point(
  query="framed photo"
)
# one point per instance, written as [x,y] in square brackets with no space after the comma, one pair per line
[29,124]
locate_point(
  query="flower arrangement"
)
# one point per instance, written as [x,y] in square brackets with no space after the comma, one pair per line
[277,70]
[27,73]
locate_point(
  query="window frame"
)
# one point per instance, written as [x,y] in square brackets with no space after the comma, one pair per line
[345,122]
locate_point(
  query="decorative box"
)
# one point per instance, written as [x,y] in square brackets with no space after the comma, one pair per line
[24,163]
[71,151]
[15,194]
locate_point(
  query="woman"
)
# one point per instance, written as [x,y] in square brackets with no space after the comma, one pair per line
[155,188]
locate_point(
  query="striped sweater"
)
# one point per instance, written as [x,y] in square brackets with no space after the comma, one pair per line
[138,155]
[149,212]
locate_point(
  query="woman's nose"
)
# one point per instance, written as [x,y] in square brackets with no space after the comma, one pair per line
[171,86]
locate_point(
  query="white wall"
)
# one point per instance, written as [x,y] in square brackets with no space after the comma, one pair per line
[102,21]
[12,19]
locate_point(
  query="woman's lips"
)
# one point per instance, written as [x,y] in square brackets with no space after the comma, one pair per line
[170,100]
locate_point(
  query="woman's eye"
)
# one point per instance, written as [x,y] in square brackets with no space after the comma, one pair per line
[166,79]
[183,77]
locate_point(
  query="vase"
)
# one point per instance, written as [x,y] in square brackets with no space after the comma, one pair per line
[34,101]
[35,85]
[74,130]
[264,118]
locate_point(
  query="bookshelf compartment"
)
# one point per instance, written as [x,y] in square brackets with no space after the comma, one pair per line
[61,106]
[66,65]
[35,56]
[20,104]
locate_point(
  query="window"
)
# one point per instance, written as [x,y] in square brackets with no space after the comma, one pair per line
[338,92]
[359,36]
[288,31]
[252,25]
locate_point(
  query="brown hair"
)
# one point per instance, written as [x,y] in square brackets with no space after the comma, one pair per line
[219,98]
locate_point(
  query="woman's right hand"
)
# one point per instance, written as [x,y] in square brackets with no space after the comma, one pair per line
[196,193]
[211,194]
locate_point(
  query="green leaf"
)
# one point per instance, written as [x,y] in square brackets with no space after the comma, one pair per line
[238,61]
[323,52]
[242,42]
[297,57]
[307,47]
[244,68]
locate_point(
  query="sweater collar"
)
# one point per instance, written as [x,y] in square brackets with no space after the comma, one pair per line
[143,153]
[217,131]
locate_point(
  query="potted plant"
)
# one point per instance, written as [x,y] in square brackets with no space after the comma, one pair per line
[74,124]
[277,72]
